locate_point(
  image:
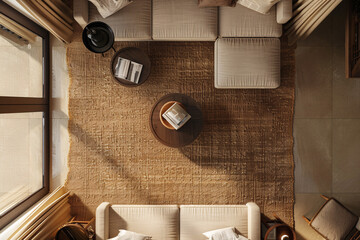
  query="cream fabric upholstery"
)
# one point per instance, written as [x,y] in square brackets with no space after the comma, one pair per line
[81,12]
[159,221]
[254,224]
[162,221]
[183,20]
[102,221]
[197,219]
[240,21]
[334,221]
[261,6]
[131,23]
[247,63]
[283,11]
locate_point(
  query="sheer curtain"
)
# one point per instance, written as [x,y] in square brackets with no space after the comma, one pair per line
[307,15]
[54,15]
[42,223]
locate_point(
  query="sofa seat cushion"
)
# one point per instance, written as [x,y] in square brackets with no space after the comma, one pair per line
[243,22]
[130,23]
[197,219]
[161,222]
[183,21]
[247,63]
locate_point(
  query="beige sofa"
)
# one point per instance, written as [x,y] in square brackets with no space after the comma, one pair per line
[174,20]
[172,222]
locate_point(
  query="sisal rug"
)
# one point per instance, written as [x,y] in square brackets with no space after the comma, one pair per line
[243,154]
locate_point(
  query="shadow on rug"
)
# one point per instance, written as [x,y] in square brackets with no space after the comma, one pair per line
[243,154]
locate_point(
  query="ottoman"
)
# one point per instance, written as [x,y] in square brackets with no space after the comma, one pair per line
[247,63]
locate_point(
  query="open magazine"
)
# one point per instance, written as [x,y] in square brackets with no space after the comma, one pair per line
[128,70]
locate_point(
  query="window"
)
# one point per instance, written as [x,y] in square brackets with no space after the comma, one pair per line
[24,113]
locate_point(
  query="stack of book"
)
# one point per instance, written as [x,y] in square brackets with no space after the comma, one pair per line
[176,116]
[128,70]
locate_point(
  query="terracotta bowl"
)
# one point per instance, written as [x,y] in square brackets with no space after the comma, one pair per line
[163,109]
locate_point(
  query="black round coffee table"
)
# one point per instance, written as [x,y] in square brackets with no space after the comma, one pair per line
[187,133]
[136,55]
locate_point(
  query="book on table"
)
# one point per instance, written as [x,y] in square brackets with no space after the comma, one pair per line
[176,116]
[128,70]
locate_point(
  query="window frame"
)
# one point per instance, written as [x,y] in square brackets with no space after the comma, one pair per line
[29,104]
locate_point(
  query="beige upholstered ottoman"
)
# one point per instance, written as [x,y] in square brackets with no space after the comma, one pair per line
[247,63]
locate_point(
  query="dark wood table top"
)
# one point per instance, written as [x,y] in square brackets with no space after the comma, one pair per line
[187,133]
[136,55]
[281,229]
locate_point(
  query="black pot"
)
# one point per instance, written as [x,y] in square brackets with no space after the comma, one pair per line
[72,231]
[98,37]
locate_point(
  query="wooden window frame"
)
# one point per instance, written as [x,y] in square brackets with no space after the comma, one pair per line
[29,104]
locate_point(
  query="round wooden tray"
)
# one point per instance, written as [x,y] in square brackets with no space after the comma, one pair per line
[187,133]
[135,55]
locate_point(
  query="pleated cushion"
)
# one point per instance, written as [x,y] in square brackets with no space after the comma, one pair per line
[197,219]
[160,222]
[183,20]
[247,63]
[131,23]
[240,21]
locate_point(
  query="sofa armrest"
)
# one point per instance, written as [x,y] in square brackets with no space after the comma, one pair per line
[254,224]
[102,221]
[283,11]
[81,12]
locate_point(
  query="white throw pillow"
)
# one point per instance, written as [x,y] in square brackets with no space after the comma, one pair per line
[358,225]
[224,234]
[261,6]
[128,235]
[109,7]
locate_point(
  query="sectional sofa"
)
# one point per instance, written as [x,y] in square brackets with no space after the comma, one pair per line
[247,45]
[172,222]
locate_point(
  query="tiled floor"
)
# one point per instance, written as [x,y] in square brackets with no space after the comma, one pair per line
[327,124]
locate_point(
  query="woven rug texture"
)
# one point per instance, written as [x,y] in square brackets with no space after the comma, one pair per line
[244,152]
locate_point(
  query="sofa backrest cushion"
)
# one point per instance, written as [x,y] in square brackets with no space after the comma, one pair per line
[175,20]
[133,23]
[242,22]
[161,222]
[197,219]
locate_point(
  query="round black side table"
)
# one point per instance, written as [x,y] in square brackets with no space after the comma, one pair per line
[98,37]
